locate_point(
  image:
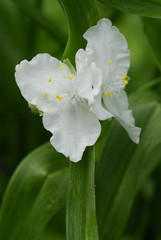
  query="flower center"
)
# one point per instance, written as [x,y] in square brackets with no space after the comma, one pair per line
[63,89]
[72,94]
[68,93]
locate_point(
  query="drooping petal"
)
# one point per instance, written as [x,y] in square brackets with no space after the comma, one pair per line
[118,106]
[74,127]
[98,108]
[41,79]
[89,77]
[89,82]
[105,43]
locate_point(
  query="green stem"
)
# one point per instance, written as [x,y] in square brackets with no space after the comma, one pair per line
[81,213]
[81,216]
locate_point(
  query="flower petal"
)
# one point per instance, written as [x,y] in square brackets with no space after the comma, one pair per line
[74,127]
[89,77]
[105,43]
[40,79]
[118,106]
[98,108]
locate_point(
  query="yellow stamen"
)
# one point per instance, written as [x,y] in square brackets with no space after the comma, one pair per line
[50,80]
[124,76]
[108,94]
[59,97]
[69,77]
[125,82]
[61,67]
[110,61]
[45,93]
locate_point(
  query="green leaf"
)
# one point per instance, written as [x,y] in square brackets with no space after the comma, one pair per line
[155,206]
[56,228]
[35,193]
[81,15]
[149,8]
[124,166]
[152,28]
[81,219]
[141,210]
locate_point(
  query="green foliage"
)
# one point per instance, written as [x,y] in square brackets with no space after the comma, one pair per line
[40,20]
[124,167]
[149,8]
[80,17]
[36,192]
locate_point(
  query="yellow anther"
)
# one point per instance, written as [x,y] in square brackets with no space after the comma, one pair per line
[110,61]
[59,97]
[69,77]
[50,80]
[108,94]
[61,67]
[45,93]
[125,82]
[124,76]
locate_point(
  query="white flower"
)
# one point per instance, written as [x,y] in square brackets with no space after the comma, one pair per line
[63,98]
[108,48]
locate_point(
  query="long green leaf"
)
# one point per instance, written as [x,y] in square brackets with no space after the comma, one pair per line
[124,167]
[36,191]
[81,219]
[55,229]
[149,8]
[80,15]
[51,197]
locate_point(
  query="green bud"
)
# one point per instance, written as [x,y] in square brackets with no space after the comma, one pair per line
[35,110]
[69,64]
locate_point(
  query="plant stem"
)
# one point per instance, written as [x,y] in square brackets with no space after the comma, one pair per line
[81,211]
[81,216]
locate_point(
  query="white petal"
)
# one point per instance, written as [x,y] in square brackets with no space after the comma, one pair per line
[89,77]
[89,82]
[32,78]
[107,47]
[73,127]
[81,60]
[105,42]
[118,106]
[98,108]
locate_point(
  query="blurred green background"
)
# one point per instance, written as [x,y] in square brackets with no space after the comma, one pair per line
[22,37]
[36,26]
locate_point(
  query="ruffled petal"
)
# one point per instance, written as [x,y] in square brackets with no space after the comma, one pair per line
[105,43]
[89,77]
[107,47]
[118,106]
[74,127]
[41,79]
